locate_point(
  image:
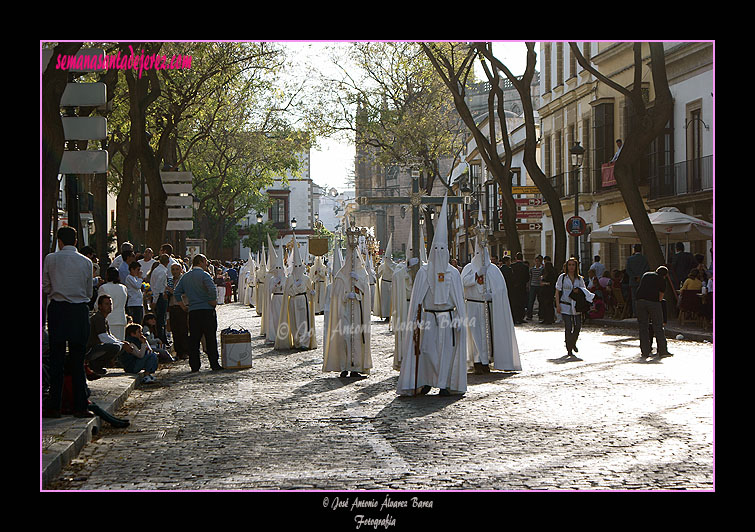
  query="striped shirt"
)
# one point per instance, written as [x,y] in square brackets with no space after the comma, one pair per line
[536,275]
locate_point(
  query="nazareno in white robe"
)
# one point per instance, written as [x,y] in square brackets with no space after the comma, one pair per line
[491,326]
[276,280]
[384,283]
[443,338]
[443,349]
[347,347]
[319,277]
[296,324]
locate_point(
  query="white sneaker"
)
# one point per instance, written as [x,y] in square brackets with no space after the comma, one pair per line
[148,379]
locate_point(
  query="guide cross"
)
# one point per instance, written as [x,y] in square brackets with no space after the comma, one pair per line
[416,198]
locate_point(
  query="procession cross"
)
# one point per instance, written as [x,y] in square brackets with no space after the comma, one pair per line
[415,199]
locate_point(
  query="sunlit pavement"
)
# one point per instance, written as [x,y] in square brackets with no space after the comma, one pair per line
[609,421]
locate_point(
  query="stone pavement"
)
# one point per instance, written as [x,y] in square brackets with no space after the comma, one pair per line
[609,422]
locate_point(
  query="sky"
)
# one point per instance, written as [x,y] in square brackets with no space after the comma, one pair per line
[333,163]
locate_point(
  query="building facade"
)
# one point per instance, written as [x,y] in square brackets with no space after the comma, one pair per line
[577,107]
[295,200]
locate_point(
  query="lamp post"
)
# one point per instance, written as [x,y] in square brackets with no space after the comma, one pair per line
[577,153]
[259,227]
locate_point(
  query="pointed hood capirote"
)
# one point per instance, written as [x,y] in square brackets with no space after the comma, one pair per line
[481,258]
[422,250]
[437,263]
[337,261]
[272,256]
[262,265]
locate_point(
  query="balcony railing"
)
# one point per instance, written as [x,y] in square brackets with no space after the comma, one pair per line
[685,177]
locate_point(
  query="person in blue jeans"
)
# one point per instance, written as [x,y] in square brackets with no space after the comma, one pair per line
[196,293]
[140,358]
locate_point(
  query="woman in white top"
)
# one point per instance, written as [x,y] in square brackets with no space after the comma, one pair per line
[566,306]
[117,318]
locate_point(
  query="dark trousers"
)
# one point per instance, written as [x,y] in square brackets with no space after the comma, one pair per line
[179,327]
[136,313]
[572,326]
[67,325]
[518,303]
[651,312]
[534,295]
[547,311]
[102,355]
[161,312]
[203,322]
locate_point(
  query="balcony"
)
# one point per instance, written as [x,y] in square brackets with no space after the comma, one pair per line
[686,177]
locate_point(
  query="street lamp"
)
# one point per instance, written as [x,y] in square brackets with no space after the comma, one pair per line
[259,227]
[577,154]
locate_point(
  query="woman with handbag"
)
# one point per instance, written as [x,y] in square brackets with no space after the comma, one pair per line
[567,306]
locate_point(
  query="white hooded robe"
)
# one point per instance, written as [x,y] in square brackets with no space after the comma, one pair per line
[491,324]
[347,347]
[443,349]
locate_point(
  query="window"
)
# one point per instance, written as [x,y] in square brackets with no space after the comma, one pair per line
[547,68]
[572,63]
[559,63]
[278,213]
[604,147]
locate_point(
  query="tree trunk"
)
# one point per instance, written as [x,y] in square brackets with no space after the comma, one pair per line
[542,182]
[53,140]
[645,125]
[487,148]
[143,92]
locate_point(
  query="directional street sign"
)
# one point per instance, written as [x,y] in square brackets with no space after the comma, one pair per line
[525,190]
[85,127]
[529,227]
[178,187]
[84,162]
[84,94]
[530,202]
[529,214]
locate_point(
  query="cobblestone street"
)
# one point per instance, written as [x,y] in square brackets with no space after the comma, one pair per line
[608,422]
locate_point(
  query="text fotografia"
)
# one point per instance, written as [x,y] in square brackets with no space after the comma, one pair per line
[122,62]
[360,504]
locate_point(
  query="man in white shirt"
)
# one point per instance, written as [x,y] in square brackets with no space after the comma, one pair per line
[597,267]
[133,284]
[67,282]
[117,261]
[158,282]
[147,262]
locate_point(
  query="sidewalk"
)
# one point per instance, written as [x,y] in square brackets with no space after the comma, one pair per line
[673,328]
[63,438]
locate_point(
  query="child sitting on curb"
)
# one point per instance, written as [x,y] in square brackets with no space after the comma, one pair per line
[141,357]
